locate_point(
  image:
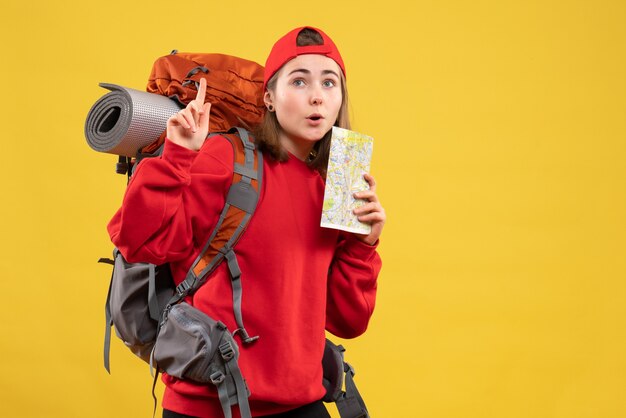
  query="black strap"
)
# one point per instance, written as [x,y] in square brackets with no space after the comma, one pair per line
[350,404]
[108,317]
[154,397]
[153,302]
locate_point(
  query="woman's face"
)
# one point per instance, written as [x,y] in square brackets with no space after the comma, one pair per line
[306,98]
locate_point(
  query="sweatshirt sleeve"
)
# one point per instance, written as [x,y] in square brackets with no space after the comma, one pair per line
[162,207]
[352,284]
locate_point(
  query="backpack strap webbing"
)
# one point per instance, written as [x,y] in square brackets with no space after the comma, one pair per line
[350,404]
[231,382]
[241,202]
[108,316]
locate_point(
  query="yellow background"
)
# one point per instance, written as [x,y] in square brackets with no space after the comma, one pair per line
[500,145]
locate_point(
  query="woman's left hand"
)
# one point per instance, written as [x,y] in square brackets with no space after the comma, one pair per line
[371,212]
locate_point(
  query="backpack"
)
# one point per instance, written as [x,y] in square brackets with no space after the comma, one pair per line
[143,305]
[234,87]
[130,123]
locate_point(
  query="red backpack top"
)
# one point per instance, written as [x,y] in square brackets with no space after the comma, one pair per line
[234,87]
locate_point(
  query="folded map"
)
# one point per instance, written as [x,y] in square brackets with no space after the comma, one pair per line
[350,157]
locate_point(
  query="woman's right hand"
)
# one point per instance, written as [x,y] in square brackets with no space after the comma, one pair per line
[190,126]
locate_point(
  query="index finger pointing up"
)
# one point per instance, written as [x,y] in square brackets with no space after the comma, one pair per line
[201,92]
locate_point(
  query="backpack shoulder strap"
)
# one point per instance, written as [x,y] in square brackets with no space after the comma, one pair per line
[338,372]
[241,202]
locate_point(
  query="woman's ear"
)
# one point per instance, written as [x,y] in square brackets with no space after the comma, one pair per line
[267,98]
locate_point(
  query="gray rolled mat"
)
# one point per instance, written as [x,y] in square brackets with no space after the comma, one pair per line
[125,120]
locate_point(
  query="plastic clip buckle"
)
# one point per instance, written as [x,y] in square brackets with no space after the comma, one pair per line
[182,288]
[226,350]
[217,378]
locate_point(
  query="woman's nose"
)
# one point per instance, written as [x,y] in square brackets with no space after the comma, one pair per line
[316,99]
[316,96]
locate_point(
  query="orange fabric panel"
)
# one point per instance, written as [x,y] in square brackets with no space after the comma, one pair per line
[234,215]
[226,231]
[234,86]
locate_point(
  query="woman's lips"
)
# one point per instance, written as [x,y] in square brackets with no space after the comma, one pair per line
[315,119]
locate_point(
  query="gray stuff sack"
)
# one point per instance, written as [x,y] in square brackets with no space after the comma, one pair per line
[138,293]
[178,338]
[193,346]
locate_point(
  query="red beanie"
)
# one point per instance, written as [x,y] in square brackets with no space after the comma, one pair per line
[286,49]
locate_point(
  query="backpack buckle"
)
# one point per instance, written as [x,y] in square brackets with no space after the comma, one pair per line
[183,287]
[226,350]
[217,377]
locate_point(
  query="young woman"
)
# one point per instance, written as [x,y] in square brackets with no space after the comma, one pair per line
[298,278]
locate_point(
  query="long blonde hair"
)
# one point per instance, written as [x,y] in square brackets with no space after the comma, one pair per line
[267,132]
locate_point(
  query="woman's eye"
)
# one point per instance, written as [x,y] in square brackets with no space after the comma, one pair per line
[328,83]
[298,82]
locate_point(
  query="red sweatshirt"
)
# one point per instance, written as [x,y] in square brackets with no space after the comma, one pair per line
[298,278]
